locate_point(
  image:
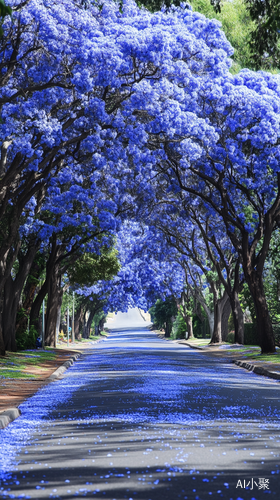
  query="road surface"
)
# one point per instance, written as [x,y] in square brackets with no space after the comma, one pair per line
[146,419]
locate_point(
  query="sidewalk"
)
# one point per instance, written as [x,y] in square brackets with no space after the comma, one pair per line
[232,353]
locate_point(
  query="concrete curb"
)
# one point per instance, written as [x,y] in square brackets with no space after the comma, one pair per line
[8,416]
[192,346]
[59,371]
[259,370]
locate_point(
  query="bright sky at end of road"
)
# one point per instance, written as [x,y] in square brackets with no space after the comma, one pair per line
[131,319]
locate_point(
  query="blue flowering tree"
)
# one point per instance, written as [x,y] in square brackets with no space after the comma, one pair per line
[139,101]
[229,158]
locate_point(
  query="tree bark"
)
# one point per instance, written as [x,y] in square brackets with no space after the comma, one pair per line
[2,344]
[36,306]
[58,319]
[219,306]
[12,294]
[8,315]
[84,325]
[54,291]
[264,324]
[225,317]
[238,318]
[54,299]
[30,288]
[78,321]
[88,324]
[167,329]
[210,314]
[190,327]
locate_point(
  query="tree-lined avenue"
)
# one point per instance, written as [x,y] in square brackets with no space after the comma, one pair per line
[142,418]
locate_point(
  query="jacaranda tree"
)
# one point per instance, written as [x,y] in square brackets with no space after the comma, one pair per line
[137,97]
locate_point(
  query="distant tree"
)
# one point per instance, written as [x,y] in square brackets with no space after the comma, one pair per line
[5,10]
[163,312]
[237,26]
[265,37]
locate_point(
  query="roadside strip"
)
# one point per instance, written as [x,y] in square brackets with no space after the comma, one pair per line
[260,370]
[9,415]
[268,369]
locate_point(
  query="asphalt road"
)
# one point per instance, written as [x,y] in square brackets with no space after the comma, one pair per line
[145,419]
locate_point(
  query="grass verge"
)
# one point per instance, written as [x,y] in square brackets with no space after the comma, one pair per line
[15,365]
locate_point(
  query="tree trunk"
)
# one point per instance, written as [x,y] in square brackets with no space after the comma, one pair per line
[2,345]
[8,315]
[211,321]
[12,294]
[89,321]
[58,319]
[50,287]
[29,294]
[190,327]
[225,317]
[238,318]
[218,312]
[54,298]
[84,325]
[210,315]
[36,306]
[78,321]
[167,329]
[264,324]
[22,319]
[54,294]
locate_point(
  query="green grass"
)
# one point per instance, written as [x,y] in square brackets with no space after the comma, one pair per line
[246,350]
[272,358]
[17,374]
[199,342]
[13,364]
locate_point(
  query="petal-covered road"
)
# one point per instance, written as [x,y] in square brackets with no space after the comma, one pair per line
[144,419]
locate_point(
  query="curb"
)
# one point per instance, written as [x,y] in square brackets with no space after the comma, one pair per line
[259,370]
[59,371]
[192,346]
[8,416]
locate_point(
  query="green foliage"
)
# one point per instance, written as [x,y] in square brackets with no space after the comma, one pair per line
[162,312]
[179,328]
[237,26]
[246,301]
[201,328]
[156,5]
[4,11]
[250,334]
[230,338]
[265,38]
[91,268]
[272,281]
[27,340]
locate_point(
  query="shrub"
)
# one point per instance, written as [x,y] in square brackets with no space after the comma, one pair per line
[179,328]
[27,340]
[250,334]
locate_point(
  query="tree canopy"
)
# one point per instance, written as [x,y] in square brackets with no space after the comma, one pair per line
[125,129]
